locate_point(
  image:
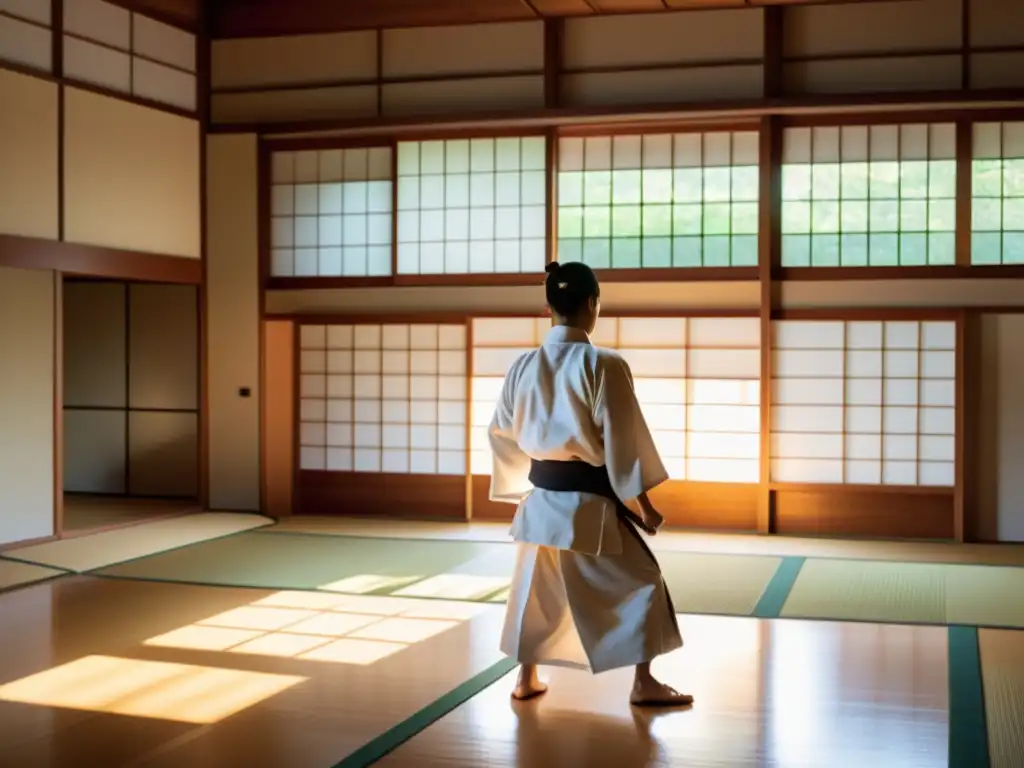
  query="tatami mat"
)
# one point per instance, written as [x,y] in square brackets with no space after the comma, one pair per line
[15,574]
[673,540]
[716,584]
[1002,668]
[425,568]
[338,564]
[376,528]
[927,593]
[86,553]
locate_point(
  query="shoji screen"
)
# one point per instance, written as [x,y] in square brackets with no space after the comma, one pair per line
[697,382]
[110,46]
[864,402]
[382,400]
[472,206]
[880,195]
[659,200]
[25,33]
[997,194]
[497,342]
[331,213]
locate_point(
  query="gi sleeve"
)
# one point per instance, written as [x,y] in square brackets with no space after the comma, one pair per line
[631,456]
[511,466]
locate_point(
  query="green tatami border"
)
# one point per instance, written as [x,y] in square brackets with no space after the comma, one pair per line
[394,737]
[777,592]
[968,728]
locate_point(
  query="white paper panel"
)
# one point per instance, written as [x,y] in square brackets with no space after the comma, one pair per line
[808,391]
[996,23]
[860,447]
[294,59]
[937,473]
[99,21]
[807,363]
[893,404]
[808,334]
[431,51]
[96,64]
[163,84]
[163,43]
[504,331]
[32,10]
[621,41]
[652,332]
[807,471]
[807,445]
[471,206]
[863,472]
[313,336]
[411,422]
[724,363]
[835,30]
[23,43]
[730,332]
[334,217]
[864,335]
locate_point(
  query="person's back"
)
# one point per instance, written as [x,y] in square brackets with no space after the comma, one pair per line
[570,447]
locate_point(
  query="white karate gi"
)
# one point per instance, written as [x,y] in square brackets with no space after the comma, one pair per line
[585,593]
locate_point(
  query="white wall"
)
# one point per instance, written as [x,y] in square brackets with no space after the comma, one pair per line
[1000,460]
[232,315]
[26,404]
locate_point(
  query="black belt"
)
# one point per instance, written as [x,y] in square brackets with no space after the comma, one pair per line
[580,477]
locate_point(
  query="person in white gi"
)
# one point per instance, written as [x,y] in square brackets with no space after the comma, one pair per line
[570,447]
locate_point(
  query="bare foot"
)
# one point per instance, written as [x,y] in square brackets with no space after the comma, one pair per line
[528,686]
[652,693]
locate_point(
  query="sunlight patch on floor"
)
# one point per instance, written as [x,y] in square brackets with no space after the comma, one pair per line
[151,689]
[344,629]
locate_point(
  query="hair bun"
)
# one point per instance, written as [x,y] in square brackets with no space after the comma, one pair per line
[551,268]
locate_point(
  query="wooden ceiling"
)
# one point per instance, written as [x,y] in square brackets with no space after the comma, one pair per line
[269,18]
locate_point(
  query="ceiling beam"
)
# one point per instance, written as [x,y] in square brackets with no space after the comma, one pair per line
[275,18]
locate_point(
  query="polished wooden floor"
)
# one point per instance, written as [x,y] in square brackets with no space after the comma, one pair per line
[767,693]
[118,673]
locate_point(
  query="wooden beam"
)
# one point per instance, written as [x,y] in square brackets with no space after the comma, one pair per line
[554,40]
[964,157]
[97,261]
[959,454]
[773,85]
[276,18]
[837,109]
[204,55]
[768,259]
